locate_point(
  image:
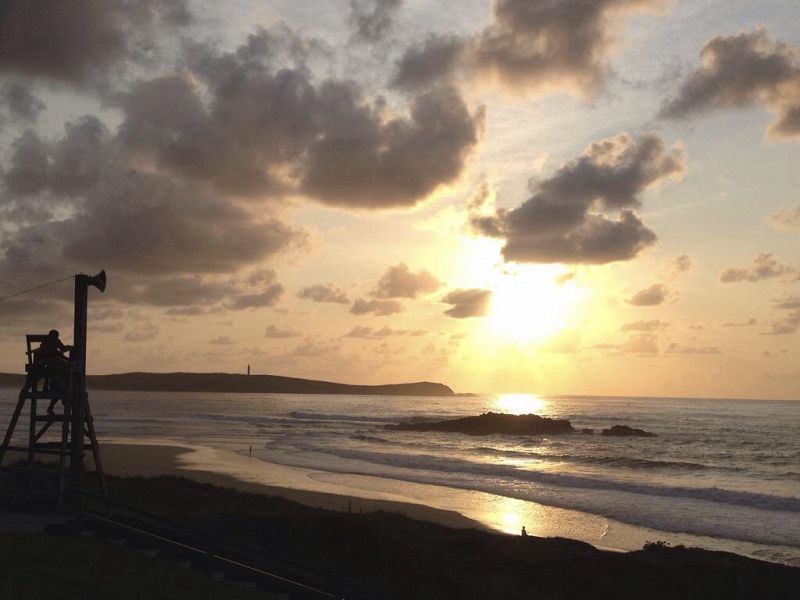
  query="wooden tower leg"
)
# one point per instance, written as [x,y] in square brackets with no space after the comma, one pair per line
[31,440]
[98,464]
[14,419]
[62,462]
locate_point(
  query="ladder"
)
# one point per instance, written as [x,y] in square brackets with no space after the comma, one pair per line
[51,381]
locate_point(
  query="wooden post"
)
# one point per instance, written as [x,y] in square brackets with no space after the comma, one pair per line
[77,391]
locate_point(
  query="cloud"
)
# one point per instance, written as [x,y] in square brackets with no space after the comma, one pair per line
[467,303]
[143,332]
[435,60]
[675,348]
[748,323]
[312,348]
[96,207]
[651,325]
[268,297]
[172,291]
[790,323]
[368,333]
[78,42]
[528,47]
[743,70]
[399,282]
[324,293]
[654,295]
[20,102]
[566,219]
[222,341]
[765,266]
[641,343]
[360,161]
[682,263]
[373,20]
[275,332]
[380,308]
[786,219]
[185,311]
[278,131]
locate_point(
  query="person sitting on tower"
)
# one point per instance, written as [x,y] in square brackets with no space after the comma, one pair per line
[51,348]
[50,353]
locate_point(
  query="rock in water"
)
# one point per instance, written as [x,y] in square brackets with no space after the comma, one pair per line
[492,423]
[625,431]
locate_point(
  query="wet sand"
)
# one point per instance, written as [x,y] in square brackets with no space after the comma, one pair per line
[151,460]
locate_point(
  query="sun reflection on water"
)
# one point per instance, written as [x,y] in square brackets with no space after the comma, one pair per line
[520,404]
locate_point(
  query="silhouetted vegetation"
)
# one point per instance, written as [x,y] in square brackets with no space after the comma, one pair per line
[419,560]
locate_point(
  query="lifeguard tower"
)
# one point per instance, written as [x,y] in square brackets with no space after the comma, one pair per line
[61,381]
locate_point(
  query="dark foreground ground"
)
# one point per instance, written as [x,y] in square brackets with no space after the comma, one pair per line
[417,560]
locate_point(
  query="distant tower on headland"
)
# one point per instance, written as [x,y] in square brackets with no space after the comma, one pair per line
[248,369]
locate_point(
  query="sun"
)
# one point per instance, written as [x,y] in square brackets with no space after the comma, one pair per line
[529,304]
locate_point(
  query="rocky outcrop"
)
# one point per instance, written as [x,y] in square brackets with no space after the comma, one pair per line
[625,431]
[493,423]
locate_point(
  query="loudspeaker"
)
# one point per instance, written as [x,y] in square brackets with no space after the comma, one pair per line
[98,281]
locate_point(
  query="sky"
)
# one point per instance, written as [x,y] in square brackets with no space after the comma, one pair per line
[540,196]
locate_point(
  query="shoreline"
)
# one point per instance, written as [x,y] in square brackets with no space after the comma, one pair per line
[451,507]
[151,460]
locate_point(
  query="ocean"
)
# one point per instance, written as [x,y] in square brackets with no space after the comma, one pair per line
[722,474]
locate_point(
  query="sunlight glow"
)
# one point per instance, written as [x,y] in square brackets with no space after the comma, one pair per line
[520,404]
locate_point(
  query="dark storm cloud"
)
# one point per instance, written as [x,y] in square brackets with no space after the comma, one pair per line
[372,20]
[744,70]
[77,42]
[324,293]
[252,126]
[765,266]
[380,308]
[654,295]
[399,282]
[437,59]
[69,166]
[529,46]
[363,161]
[172,291]
[468,303]
[565,220]
[26,172]
[20,102]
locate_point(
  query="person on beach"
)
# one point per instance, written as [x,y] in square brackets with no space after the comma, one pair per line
[524,533]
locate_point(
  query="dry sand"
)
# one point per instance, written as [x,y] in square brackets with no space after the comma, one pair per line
[151,460]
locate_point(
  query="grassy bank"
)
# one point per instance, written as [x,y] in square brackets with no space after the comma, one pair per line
[419,560]
[45,567]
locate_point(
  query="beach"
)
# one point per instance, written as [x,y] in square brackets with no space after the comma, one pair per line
[227,469]
[720,474]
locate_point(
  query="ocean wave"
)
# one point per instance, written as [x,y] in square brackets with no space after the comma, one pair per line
[454,466]
[612,461]
[369,438]
[311,416]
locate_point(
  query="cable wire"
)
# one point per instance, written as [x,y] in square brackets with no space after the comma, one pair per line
[38,287]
